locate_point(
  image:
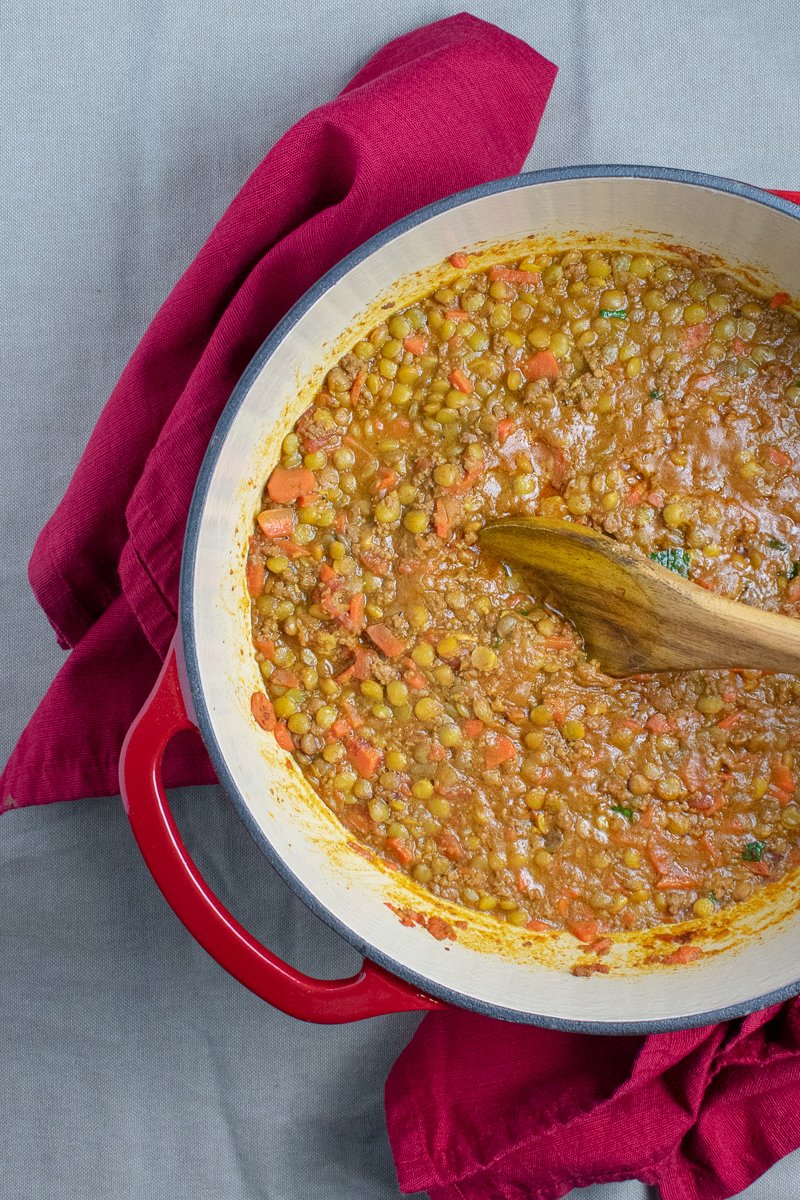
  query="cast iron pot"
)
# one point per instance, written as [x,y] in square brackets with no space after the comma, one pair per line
[750,952]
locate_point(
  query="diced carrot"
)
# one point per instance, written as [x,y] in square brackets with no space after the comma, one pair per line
[472,727]
[634,496]
[284,678]
[738,346]
[473,472]
[504,427]
[291,549]
[265,646]
[537,926]
[399,426]
[375,562]
[559,468]
[779,457]
[387,478]
[684,954]
[339,521]
[356,612]
[276,522]
[365,757]
[283,737]
[290,483]
[340,727]
[352,714]
[781,777]
[449,845]
[779,298]
[262,710]
[511,275]
[659,855]
[459,260]
[356,817]
[328,575]
[436,752]
[760,868]
[441,521]
[559,643]
[459,380]
[386,641]
[656,499]
[658,723]
[456,314]
[729,721]
[678,883]
[634,726]
[256,574]
[414,679]
[415,343]
[401,850]
[358,384]
[694,336]
[730,696]
[499,752]
[584,931]
[706,803]
[543,365]
[334,602]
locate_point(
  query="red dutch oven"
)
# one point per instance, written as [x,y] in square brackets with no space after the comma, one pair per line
[422,952]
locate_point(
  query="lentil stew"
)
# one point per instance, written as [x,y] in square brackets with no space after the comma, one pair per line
[440,705]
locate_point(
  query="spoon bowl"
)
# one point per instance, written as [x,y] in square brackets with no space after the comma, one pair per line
[636,616]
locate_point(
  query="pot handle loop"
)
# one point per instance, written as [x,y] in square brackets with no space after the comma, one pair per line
[369,993]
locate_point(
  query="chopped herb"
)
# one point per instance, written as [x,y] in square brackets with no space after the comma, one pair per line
[753,851]
[676,559]
[627,813]
[620,313]
[524,612]
[655,394]
[774,544]
[794,570]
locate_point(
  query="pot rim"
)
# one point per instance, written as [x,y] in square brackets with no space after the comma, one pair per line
[191,671]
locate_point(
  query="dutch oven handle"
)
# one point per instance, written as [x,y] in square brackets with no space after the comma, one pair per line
[371,992]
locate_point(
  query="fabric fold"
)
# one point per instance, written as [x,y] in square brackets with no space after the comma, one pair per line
[105,568]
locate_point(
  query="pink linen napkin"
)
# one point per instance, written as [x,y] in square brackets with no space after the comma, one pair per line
[105,568]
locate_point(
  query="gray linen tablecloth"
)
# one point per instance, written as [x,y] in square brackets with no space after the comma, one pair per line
[132,1066]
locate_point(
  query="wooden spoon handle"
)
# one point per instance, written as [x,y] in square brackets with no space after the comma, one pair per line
[712,631]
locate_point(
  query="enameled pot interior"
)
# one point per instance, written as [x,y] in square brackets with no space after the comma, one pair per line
[750,952]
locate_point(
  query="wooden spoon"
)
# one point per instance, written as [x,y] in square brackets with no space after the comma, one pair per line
[636,616]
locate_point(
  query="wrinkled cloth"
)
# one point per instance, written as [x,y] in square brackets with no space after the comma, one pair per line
[105,568]
[489,1110]
[486,1110]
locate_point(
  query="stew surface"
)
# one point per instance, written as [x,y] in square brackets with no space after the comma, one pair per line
[437,702]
